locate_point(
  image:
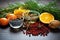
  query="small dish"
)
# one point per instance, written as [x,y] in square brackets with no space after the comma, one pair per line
[32,16]
[16,23]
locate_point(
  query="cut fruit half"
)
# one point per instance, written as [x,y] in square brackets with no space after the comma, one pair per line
[46,17]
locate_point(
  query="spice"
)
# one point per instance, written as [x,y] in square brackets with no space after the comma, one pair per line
[34,29]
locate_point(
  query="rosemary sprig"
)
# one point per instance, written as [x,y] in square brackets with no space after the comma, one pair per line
[51,7]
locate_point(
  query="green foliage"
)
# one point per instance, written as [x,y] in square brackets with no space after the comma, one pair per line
[10,8]
[30,4]
[51,7]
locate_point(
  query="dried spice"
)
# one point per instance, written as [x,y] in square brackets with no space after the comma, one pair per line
[37,28]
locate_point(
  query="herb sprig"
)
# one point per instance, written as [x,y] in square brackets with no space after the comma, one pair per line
[51,7]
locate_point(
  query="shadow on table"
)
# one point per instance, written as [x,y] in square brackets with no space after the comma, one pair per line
[57,30]
[4,27]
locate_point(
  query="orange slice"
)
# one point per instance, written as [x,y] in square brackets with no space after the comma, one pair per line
[46,17]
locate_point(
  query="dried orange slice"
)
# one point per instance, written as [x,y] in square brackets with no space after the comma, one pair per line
[46,17]
[20,12]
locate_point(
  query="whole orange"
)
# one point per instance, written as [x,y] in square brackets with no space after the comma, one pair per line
[11,16]
[4,21]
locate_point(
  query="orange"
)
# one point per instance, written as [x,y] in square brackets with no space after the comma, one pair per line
[46,17]
[4,21]
[11,16]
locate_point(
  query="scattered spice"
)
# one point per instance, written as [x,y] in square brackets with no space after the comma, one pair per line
[37,28]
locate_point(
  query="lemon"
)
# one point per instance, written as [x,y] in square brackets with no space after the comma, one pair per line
[46,17]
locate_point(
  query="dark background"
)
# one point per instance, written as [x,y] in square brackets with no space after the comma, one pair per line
[5,34]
